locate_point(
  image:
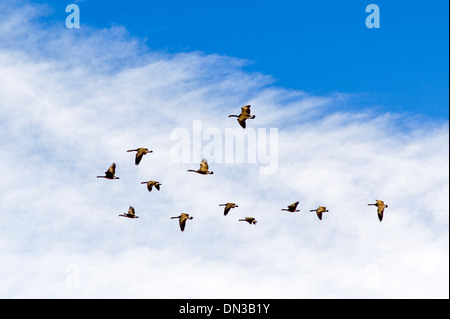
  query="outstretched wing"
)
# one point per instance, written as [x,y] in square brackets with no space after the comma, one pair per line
[380,211]
[141,152]
[293,206]
[157,186]
[183,219]
[246,109]
[204,165]
[131,211]
[241,120]
[111,171]
[227,209]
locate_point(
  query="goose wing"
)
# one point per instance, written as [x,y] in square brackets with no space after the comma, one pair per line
[380,211]
[204,165]
[183,219]
[131,211]
[227,209]
[293,206]
[246,109]
[140,152]
[111,171]
[241,120]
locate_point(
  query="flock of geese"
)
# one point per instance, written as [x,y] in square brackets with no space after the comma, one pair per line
[204,170]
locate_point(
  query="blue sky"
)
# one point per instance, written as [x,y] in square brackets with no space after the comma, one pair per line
[321,47]
[332,100]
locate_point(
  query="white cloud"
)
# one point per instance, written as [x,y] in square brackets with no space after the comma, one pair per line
[73,104]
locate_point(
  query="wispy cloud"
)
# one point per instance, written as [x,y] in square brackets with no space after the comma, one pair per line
[72,105]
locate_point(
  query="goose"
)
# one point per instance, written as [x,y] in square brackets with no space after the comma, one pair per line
[250,220]
[292,208]
[245,114]
[381,206]
[141,151]
[319,211]
[227,208]
[110,173]
[183,218]
[150,185]
[203,168]
[131,213]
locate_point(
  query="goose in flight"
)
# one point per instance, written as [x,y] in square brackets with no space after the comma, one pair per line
[140,152]
[150,185]
[227,208]
[110,173]
[381,206]
[292,208]
[245,114]
[183,218]
[250,220]
[203,168]
[319,211]
[131,213]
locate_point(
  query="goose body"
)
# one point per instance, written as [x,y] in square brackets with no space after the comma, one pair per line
[250,220]
[204,168]
[182,219]
[245,115]
[150,185]
[140,152]
[380,208]
[130,214]
[110,173]
[227,208]
[319,211]
[292,208]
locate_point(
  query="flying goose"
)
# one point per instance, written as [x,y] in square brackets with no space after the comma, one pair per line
[292,208]
[183,218]
[381,206]
[245,114]
[141,151]
[250,220]
[227,208]
[131,213]
[150,185]
[203,168]
[110,173]
[319,211]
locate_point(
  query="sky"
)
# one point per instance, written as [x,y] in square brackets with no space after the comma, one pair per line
[303,45]
[345,115]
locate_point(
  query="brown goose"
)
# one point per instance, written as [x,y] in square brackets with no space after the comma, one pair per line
[381,206]
[131,213]
[203,168]
[319,211]
[183,218]
[141,151]
[110,173]
[292,208]
[250,220]
[245,114]
[150,185]
[227,208]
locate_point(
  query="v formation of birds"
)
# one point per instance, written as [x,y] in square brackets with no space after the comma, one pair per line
[204,170]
